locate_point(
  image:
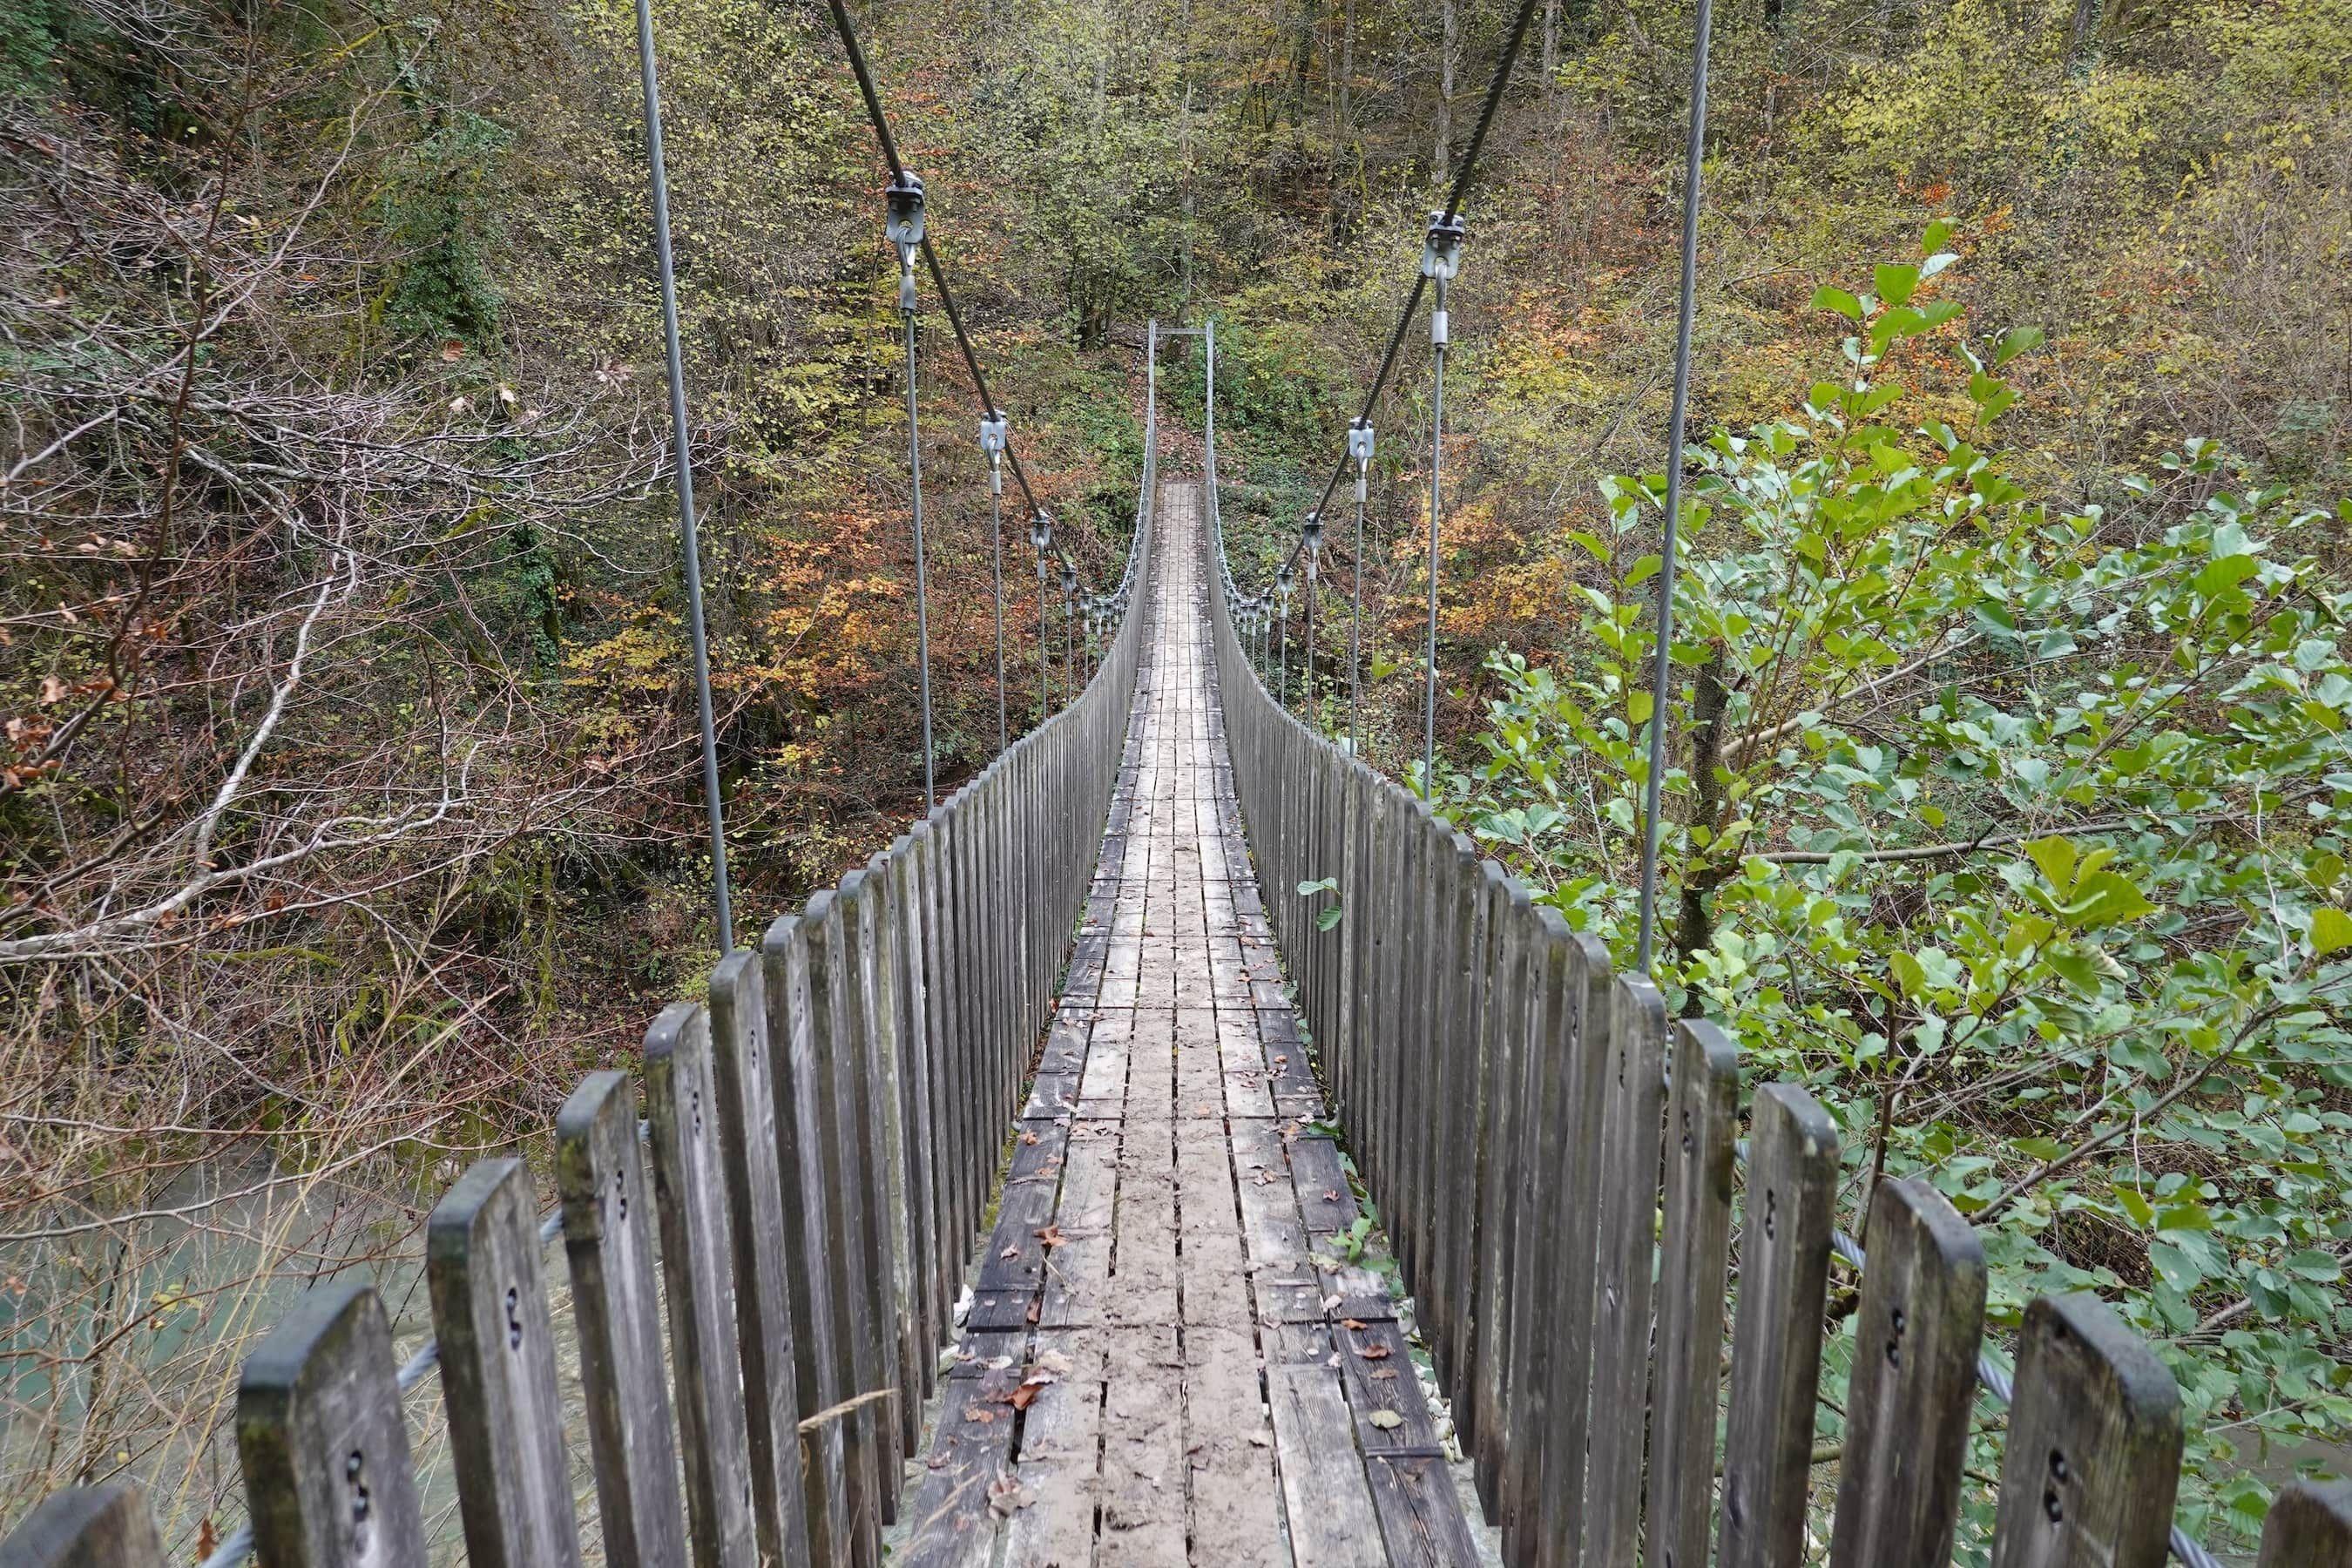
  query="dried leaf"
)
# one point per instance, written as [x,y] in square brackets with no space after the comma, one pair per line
[1386,1420]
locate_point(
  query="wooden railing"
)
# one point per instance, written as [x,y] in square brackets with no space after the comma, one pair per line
[824,1136]
[1555,1161]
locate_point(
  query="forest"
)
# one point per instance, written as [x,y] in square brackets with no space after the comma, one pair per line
[351,802]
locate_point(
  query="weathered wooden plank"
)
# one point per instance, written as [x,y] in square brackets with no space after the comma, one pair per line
[1060,1459]
[1014,1258]
[741,1060]
[891,1182]
[608,1220]
[497,1372]
[2093,1461]
[953,1508]
[1633,1116]
[1421,1518]
[1696,1255]
[107,1526]
[2310,1526]
[1324,1491]
[1776,1344]
[932,1300]
[698,1272]
[1538,1219]
[1491,1248]
[805,1150]
[833,969]
[1914,1383]
[322,1444]
[1232,1511]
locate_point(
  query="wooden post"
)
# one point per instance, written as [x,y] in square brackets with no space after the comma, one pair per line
[86,1527]
[1696,1249]
[2310,1526]
[873,1081]
[1624,1258]
[741,1060]
[698,1268]
[497,1372]
[608,1218]
[1540,1230]
[2093,1454]
[832,988]
[1776,1347]
[804,1145]
[1914,1383]
[1560,1490]
[321,1440]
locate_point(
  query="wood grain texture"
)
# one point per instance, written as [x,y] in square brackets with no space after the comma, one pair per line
[2310,1526]
[1914,1383]
[742,1062]
[2093,1460]
[321,1441]
[107,1526]
[1775,1346]
[1633,1098]
[1538,1225]
[608,1220]
[1695,1247]
[497,1372]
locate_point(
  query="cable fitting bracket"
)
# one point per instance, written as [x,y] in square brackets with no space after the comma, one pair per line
[904,226]
[994,430]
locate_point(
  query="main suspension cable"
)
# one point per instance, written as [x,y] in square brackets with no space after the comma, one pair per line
[1661,670]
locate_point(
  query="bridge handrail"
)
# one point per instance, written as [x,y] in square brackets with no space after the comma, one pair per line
[823,1133]
[1554,1161]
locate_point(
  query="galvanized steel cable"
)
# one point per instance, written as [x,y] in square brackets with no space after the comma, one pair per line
[1662,657]
[674,360]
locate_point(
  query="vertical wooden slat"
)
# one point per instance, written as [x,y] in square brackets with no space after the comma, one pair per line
[1540,1229]
[2094,1455]
[497,1372]
[742,1062]
[1776,1344]
[1488,1250]
[320,1439]
[1633,1116]
[1560,1488]
[608,1220]
[2310,1526]
[802,1092]
[1915,1380]
[1696,1253]
[86,1527]
[833,995]
[897,1180]
[699,1274]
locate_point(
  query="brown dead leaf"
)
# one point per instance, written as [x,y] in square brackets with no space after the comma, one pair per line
[1052,1236]
[980,1413]
[1352,1323]
[1029,1138]
[1373,1353]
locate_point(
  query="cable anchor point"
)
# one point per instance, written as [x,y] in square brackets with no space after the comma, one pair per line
[994,431]
[1360,446]
[1440,262]
[904,226]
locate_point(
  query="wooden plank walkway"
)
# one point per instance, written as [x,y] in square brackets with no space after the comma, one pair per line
[1154,1369]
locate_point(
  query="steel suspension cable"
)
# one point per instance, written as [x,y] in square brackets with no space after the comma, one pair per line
[1661,670]
[922,580]
[675,362]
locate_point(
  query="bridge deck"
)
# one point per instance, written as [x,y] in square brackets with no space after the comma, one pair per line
[1156,1368]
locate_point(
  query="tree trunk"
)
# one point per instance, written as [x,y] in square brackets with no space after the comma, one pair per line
[1695,926]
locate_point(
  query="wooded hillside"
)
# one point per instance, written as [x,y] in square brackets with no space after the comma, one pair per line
[349,795]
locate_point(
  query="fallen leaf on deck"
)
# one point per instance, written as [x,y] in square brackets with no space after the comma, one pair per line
[1374,1352]
[1351,1322]
[1386,1420]
[1007,1495]
[1052,1236]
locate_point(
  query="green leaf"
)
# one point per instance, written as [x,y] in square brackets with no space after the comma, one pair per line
[1896,283]
[1640,705]
[2015,342]
[1320,885]
[2331,931]
[2055,858]
[1826,297]
[1326,918]
[1938,234]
